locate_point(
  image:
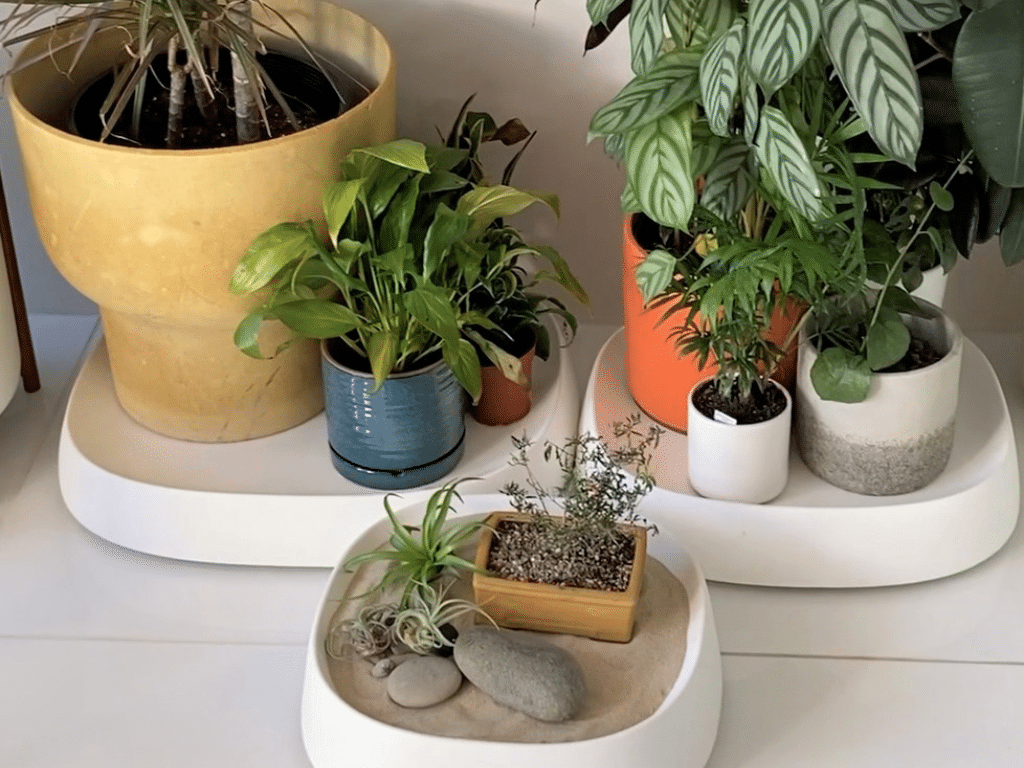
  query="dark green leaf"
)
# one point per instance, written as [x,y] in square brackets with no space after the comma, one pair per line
[1011,239]
[888,341]
[940,196]
[988,71]
[841,375]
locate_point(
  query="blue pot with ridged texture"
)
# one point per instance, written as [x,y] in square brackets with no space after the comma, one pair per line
[410,432]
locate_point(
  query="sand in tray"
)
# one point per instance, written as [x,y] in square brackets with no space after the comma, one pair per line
[626,682]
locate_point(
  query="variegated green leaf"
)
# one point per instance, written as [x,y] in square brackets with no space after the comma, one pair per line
[784,158]
[698,22]
[629,201]
[615,146]
[599,10]
[728,182]
[646,32]
[781,34]
[705,147]
[923,15]
[654,273]
[751,106]
[671,82]
[658,164]
[871,56]
[720,77]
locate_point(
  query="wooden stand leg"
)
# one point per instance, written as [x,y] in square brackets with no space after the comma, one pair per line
[29,370]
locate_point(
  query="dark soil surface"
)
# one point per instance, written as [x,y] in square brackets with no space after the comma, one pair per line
[650,237]
[307,91]
[921,354]
[760,406]
[542,554]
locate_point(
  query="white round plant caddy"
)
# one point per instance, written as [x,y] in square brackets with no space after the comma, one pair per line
[10,352]
[271,501]
[816,535]
[738,462]
[680,734]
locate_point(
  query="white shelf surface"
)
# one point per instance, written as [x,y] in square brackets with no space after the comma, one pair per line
[817,535]
[680,734]
[272,501]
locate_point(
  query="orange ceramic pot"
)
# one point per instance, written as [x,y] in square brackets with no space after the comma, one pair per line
[659,379]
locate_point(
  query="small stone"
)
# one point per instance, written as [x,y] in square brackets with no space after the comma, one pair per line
[424,681]
[524,673]
[382,668]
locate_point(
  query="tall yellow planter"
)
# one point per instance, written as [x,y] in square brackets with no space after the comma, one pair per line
[152,236]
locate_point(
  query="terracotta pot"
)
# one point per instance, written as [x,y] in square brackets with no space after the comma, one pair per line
[503,401]
[548,608]
[658,378]
[739,462]
[152,236]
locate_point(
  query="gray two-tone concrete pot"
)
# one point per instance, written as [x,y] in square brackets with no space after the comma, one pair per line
[900,438]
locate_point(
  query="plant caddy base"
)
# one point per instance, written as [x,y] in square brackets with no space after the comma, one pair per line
[817,535]
[680,734]
[271,501]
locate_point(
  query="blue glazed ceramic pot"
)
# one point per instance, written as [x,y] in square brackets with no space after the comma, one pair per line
[408,433]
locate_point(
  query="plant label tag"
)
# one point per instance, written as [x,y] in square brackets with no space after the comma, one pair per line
[724,418]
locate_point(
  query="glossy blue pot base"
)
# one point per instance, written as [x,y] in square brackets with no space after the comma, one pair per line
[398,479]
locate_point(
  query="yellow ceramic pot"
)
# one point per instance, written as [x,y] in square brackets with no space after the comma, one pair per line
[152,236]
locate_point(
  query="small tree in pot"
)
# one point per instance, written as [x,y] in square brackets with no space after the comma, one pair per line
[579,572]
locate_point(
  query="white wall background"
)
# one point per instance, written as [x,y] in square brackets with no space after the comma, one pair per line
[529,63]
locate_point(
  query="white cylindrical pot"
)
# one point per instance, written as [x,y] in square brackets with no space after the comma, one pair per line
[10,352]
[738,462]
[900,438]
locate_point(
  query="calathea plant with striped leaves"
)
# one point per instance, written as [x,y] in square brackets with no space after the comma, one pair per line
[708,82]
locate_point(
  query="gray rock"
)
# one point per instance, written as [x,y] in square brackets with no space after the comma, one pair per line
[525,673]
[423,681]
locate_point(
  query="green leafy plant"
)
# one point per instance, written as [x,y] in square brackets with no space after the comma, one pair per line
[407,241]
[718,69]
[379,629]
[602,485]
[191,33]
[418,558]
[862,332]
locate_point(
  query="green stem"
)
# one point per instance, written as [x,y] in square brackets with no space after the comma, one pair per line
[898,262]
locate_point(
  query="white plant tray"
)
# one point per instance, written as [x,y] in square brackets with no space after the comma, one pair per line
[680,733]
[817,535]
[271,501]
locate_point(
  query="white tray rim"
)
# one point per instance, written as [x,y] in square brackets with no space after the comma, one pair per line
[265,529]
